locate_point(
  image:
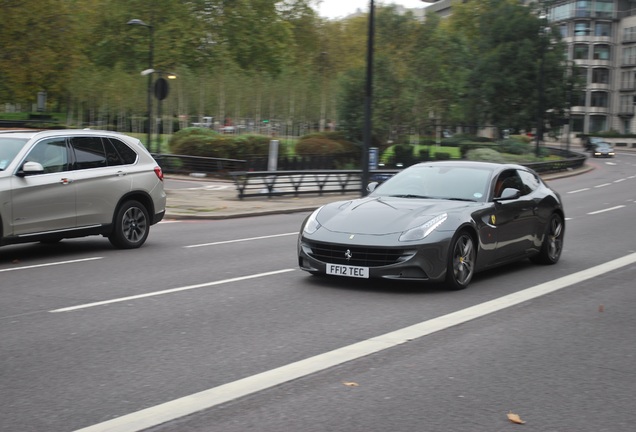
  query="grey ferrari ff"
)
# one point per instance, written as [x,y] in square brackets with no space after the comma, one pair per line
[437,222]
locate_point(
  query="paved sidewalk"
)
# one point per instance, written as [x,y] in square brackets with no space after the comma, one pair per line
[223,203]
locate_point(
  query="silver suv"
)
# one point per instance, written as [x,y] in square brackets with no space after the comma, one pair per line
[74,183]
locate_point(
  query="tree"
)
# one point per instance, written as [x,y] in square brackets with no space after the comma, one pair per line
[517,65]
[33,35]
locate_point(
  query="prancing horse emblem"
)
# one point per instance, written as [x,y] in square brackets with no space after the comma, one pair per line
[348,255]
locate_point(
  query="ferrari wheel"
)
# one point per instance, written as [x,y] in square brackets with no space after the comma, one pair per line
[461,261]
[552,242]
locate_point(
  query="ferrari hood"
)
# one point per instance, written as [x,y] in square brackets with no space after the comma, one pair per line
[383,215]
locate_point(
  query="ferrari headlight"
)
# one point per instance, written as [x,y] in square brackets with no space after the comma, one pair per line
[312,225]
[421,231]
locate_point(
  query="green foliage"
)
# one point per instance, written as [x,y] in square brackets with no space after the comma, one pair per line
[318,145]
[205,142]
[514,146]
[485,154]
[404,154]
[250,145]
[442,156]
[255,59]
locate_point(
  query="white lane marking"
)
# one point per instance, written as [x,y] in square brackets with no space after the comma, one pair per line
[49,264]
[169,291]
[606,210]
[241,240]
[603,185]
[579,190]
[619,180]
[206,399]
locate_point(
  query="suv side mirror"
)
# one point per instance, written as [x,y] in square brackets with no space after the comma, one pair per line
[30,168]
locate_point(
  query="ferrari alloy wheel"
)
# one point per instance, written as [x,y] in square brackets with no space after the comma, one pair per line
[461,265]
[552,242]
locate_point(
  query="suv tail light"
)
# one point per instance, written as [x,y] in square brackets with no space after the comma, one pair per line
[159,173]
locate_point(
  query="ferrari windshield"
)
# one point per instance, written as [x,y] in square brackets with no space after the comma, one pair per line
[9,148]
[465,183]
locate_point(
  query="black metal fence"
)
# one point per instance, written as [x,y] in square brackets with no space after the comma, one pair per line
[310,175]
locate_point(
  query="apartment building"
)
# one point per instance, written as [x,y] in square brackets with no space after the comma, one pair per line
[601,40]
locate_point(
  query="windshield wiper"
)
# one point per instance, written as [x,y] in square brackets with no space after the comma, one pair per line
[460,199]
[411,196]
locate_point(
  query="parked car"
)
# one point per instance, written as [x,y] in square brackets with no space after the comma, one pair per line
[603,150]
[436,222]
[74,183]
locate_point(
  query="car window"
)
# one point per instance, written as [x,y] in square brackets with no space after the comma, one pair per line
[51,153]
[89,152]
[530,181]
[119,153]
[508,179]
[9,148]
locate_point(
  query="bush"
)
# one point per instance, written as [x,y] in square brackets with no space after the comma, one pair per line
[318,145]
[208,143]
[485,155]
[250,145]
[442,156]
[514,146]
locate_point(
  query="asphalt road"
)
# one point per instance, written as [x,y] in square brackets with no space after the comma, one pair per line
[89,334]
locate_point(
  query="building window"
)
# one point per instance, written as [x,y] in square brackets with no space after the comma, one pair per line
[626,126]
[581,29]
[562,12]
[627,104]
[581,52]
[629,34]
[603,29]
[563,29]
[601,52]
[578,98]
[580,73]
[600,76]
[629,56]
[627,79]
[578,122]
[599,99]
[604,8]
[583,9]
[598,123]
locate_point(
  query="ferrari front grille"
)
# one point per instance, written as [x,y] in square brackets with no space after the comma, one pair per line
[363,256]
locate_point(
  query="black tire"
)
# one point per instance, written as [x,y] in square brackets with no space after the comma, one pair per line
[461,261]
[130,226]
[552,245]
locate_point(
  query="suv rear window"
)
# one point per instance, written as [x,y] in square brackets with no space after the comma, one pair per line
[96,152]
[89,152]
[119,153]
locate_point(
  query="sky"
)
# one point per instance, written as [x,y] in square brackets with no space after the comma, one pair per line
[341,8]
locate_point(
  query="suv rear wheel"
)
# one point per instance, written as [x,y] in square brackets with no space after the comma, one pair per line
[130,226]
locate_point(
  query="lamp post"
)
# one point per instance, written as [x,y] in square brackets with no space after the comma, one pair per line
[541,90]
[151,49]
[161,89]
[367,102]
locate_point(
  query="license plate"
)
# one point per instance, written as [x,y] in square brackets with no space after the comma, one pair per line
[348,271]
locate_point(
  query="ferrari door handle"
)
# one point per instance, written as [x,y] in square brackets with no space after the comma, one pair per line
[121,173]
[66,181]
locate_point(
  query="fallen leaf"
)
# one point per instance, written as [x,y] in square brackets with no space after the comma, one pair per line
[601,308]
[350,384]
[515,418]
